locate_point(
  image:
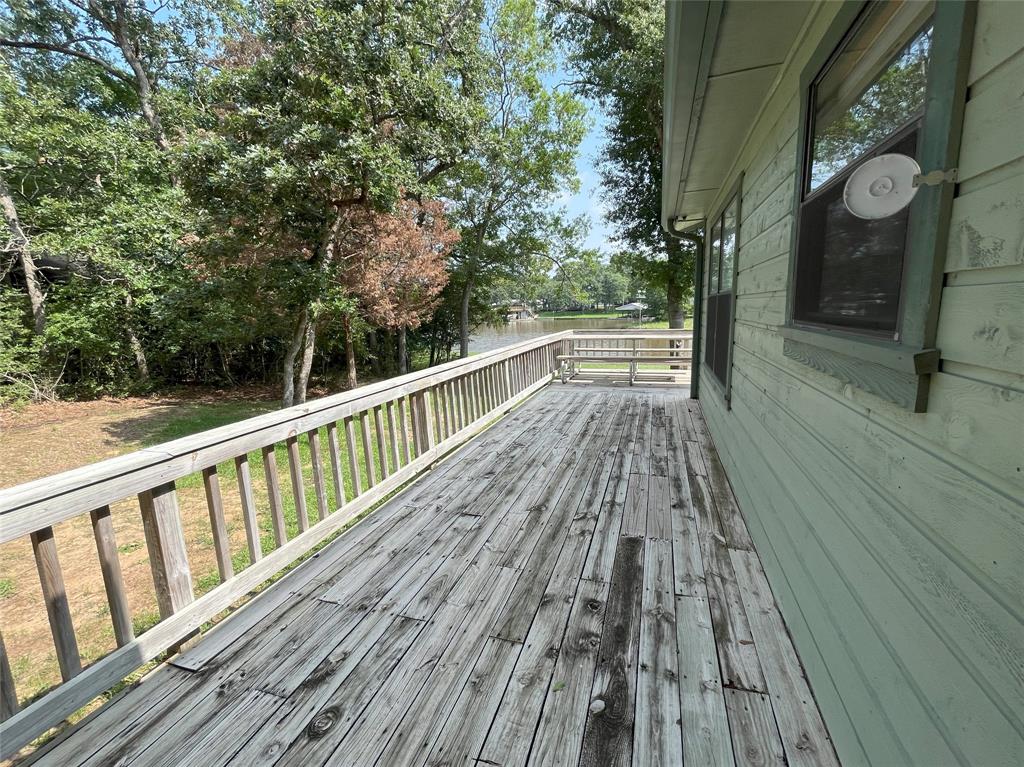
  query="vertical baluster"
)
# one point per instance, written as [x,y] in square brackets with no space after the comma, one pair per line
[317,462]
[478,407]
[440,411]
[467,399]
[449,408]
[416,415]
[463,402]
[371,470]
[8,694]
[506,380]
[113,580]
[404,420]
[353,460]
[436,407]
[215,505]
[335,453]
[446,398]
[298,484]
[393,436]
[487,402]
[245,494]
[165,542]
[460,403]
[485,390]
[474,395]
[274,496]
[52,580]
[456,404]
[423,424]
[382,449]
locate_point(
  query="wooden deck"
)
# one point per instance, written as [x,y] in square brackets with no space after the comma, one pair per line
[574,586]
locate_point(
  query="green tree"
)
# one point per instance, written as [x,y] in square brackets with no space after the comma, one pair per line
[333,106]
[85,182]
[503,192]
[615,48]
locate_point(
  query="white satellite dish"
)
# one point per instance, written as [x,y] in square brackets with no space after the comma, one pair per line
[882,186]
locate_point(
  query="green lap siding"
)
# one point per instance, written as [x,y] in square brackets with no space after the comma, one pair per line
[894,541]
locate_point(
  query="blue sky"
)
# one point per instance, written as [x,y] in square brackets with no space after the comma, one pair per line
[588,199]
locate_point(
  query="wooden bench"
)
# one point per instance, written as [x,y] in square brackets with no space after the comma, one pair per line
[624,347]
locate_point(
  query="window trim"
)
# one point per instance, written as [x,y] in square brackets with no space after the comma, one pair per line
[898,371]
[735,193]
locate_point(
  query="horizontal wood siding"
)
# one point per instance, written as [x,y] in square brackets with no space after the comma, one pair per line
[893,541]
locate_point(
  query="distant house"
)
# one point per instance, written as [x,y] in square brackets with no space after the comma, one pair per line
[862,368]
[519,312]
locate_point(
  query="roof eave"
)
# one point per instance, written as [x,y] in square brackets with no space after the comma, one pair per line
[691,29]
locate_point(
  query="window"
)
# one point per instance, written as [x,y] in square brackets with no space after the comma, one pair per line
[868,100]
[864,294]
[721,273]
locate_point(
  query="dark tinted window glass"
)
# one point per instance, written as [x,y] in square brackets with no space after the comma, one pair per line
[710,347]
[723,313]
[850,268]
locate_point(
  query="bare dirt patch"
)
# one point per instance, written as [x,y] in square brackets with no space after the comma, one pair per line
[44,439]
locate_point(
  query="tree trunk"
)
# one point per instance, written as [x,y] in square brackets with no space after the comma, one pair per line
[467,292]
[134,343]
[403,352]
[18,245]
[118,27]
[350,351]
[288,367]
[308,345]
[674,291]
[676,315]
[374,346]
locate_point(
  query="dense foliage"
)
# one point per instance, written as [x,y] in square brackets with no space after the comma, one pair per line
[226,191]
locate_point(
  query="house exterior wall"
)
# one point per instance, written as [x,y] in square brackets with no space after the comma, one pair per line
[894,542]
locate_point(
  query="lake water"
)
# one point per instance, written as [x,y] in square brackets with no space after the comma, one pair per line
[490,337]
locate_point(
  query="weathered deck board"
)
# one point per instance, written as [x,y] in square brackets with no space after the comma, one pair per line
[575,586]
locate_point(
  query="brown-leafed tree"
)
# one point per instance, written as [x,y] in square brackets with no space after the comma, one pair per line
[395,268]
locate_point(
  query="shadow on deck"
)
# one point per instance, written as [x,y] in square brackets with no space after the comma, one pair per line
[573,586]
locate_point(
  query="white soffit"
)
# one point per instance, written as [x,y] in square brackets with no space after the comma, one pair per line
[752,40]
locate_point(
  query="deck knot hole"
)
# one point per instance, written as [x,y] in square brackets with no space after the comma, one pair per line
[322,723]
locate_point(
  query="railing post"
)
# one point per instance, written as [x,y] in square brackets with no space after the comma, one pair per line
[165,540]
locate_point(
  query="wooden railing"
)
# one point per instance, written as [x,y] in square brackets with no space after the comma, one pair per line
[416,419]
[642,350]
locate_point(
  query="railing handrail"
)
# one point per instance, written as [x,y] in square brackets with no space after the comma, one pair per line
[50,500]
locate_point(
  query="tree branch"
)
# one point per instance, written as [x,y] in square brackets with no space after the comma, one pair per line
[67,51]
[436,171]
